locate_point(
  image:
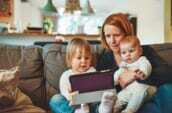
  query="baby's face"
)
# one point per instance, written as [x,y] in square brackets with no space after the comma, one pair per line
[81,61]
[129,52]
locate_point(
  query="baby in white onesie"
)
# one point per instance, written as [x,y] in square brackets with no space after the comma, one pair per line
[132,96]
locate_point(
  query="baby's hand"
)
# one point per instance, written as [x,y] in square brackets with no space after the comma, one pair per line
[139,74]
[127,77]
[72,94]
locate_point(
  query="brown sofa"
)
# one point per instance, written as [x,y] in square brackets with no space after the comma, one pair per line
[42,65]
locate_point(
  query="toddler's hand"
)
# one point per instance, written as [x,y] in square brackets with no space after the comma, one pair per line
[72,94]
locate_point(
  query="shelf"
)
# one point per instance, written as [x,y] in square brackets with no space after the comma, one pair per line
[43,35]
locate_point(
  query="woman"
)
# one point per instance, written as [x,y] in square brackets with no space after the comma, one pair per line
[115,27]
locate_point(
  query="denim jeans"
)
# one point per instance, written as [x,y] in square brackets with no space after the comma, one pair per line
[59,104]
[161,101]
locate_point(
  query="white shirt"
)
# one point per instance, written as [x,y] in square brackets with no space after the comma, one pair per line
[142,64]
[65,86]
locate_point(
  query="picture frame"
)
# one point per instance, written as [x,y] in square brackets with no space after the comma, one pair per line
[6,10]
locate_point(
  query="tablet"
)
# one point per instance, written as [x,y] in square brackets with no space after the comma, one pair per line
[94,81]
[91,86]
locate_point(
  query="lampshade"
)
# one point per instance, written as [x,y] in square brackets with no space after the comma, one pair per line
[49,7]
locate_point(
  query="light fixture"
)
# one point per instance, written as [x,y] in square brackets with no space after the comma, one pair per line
[49,7]
[87,9]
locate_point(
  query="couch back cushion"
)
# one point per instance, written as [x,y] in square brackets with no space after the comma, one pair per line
[9,56]
[54,66]
[32,80]
[165,51]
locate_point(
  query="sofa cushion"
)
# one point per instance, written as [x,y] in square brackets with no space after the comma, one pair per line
[9,56]
[31,69]
[32,64]
[23,104]
[54,60]
[8,87]
[32,80]
[165,51]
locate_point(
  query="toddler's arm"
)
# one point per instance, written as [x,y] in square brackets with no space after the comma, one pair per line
[64,86]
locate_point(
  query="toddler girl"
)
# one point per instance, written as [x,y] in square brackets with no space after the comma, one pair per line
[79,60]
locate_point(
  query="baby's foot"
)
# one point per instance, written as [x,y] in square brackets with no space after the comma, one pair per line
[107,102]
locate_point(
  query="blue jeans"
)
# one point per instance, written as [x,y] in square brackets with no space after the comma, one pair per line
[161,101]
[59,104]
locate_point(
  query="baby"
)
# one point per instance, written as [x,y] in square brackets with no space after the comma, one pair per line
[131,97]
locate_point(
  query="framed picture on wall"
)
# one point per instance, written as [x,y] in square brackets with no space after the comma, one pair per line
[6,10]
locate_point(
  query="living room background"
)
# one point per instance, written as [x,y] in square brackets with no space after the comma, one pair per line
[149,13]
[153,16]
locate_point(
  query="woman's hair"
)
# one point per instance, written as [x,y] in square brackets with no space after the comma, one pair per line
[120,21]
[73,45]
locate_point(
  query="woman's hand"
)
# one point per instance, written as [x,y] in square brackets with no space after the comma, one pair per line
[127,77]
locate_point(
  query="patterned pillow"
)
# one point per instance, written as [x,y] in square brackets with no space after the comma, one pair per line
[8,86]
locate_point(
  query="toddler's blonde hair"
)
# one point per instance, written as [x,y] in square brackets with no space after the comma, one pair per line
[72,47]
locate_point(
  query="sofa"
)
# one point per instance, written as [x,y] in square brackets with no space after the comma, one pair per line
[43,63]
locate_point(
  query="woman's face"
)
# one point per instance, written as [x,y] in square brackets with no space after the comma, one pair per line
[113,36]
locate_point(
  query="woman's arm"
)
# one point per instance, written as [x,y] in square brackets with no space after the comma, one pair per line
[159,76]
[105,60]
[153,57]
[161,71]
[65,85]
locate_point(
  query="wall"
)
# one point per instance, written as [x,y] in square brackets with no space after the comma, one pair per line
[150,15]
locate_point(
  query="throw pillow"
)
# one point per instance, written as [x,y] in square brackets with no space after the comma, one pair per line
[8,86]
